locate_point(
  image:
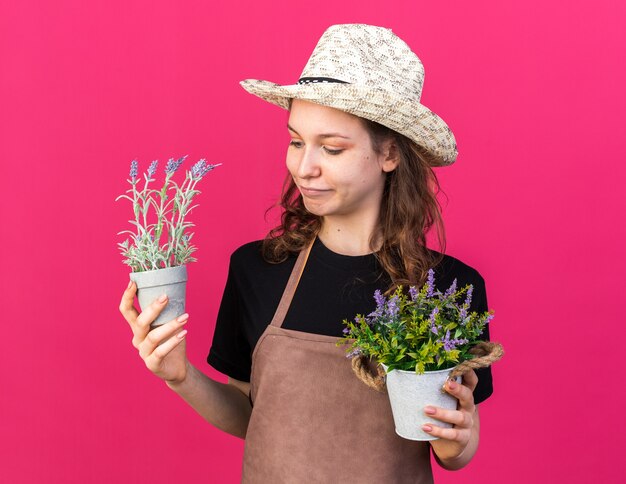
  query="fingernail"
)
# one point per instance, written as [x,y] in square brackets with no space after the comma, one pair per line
[181,334]
[130,283]
[451,384]
[430,410]
[162,298]
[182,318]
[426,428]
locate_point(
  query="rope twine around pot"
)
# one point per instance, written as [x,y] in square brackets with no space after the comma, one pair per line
[485,353]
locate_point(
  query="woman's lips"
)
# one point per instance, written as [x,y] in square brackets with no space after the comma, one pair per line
[313,192]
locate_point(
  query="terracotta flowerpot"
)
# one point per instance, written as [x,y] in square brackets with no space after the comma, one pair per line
[151,284]
[409,393]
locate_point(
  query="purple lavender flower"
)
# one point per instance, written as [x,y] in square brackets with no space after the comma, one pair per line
[379,298]
[380,307]
[451,344]
[392,307]
[433,314]
[463,314]
[133,169]
[173,165]
[451,290]
[201,168]
[346,330]
[152,169]
[447,344]
[433,325]
[198,169]
[413,293]
[431,283]
[489,318]
[468,298]
[355,352]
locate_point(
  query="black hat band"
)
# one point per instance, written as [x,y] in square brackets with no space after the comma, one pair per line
[311,80]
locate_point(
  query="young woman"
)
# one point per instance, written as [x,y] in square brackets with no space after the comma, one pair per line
[358,202]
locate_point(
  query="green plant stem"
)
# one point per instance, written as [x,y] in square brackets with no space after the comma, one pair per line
[136,208]
[145,209]
[171,239]
[191,184]
[160,212]
[181,208]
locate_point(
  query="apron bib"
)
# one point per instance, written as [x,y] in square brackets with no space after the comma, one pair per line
[313,420]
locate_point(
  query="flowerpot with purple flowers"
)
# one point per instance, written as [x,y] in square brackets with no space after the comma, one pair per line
[158,248]
[419,340]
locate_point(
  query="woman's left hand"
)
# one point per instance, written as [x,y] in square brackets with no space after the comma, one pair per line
[453,441]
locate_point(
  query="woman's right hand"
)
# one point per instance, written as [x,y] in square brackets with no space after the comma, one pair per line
[163,348]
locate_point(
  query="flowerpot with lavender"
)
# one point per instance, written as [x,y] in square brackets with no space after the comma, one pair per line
[160,268]
[171,281]
[419,340]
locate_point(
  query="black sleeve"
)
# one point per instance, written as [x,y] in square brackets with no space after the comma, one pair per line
[484,388]
[230,351]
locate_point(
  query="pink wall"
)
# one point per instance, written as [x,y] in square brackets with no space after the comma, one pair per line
[534,92]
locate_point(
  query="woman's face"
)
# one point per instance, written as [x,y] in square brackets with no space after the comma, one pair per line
[331,160]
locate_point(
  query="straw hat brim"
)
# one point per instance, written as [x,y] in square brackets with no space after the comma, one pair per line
[407,117]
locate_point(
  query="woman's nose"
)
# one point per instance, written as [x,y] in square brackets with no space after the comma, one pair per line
[309,163]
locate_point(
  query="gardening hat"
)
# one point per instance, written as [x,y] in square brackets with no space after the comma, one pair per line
[370,72]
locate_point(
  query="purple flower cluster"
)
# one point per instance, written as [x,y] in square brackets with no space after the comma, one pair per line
[431,283]
[468,297]
[201,168]
[355,352]
[466,304]
[133,169]
[413,293]
[463,314]
[386,310]
[380,307]
[173,165]
[392,307]
[434,328]
[451,290]
[152,169]
[379,298]
[450,344]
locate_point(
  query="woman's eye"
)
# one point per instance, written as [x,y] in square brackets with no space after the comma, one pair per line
[298,144]
[332,152]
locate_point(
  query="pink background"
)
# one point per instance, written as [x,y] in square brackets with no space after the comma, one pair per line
[534,93]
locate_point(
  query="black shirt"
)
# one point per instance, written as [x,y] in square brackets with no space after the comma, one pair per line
[333,287]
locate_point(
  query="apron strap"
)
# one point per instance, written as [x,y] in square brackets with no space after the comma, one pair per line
[292,284]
